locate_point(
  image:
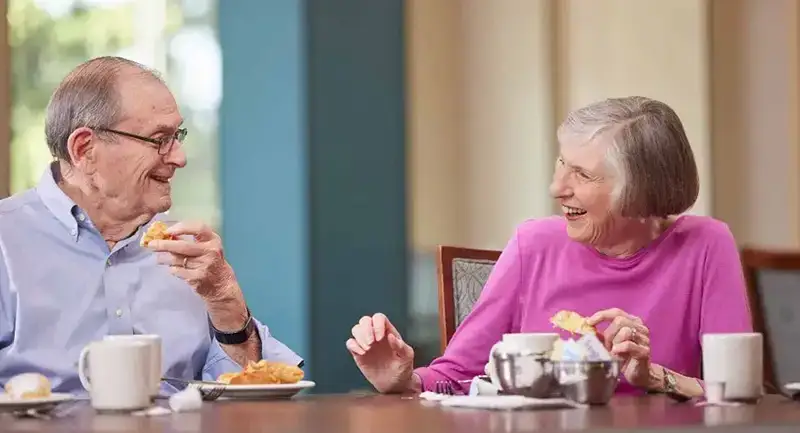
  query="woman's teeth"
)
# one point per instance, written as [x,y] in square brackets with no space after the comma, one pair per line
[571,211]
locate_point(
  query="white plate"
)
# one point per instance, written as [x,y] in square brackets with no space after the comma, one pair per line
[259,392]
[794,386]
[8,404]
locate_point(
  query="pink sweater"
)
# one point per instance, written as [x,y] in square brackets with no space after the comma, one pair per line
[686,283]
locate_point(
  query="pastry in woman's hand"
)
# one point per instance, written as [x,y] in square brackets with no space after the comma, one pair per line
[572,322]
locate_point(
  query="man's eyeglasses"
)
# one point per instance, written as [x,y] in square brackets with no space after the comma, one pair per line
[164,144]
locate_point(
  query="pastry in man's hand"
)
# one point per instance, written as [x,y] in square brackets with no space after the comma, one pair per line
[156,231]
[28,386]
[263,373]
[572,322]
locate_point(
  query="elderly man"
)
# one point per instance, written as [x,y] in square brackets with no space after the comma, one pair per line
[71,266]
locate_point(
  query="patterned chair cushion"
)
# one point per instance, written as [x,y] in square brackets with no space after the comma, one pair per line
[469,277]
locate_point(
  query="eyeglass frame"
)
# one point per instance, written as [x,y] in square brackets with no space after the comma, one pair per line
[163,143]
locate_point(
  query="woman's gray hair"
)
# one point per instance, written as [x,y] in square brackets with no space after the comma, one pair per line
[648,149]
[87,97]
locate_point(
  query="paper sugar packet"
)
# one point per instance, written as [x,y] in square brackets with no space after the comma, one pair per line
[593,348]
[587,348]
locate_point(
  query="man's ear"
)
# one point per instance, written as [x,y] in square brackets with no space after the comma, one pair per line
[80,145]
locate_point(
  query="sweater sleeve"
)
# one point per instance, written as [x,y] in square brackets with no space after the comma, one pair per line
[725,307]
[492,316]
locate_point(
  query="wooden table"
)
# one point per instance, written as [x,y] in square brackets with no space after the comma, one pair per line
[390,414]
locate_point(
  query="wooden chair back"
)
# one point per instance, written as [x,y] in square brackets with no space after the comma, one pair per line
[462,274]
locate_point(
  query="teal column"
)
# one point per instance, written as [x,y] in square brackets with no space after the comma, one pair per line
[312,175]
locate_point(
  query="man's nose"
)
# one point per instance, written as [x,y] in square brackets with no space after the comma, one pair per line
[176,155]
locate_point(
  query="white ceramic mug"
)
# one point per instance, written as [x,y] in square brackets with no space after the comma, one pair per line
[117,374]
[154,341]
[534,342]
[733,365]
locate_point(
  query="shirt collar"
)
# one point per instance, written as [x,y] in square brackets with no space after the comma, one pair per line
[58,203]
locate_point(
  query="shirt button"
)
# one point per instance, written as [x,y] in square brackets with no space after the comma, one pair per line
[81,217]
[118,312]
[108,262]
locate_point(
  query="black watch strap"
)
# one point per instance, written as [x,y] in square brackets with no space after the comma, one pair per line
[236,337]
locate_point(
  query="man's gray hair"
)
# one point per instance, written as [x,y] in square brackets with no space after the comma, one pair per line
[648,149]
[87,97]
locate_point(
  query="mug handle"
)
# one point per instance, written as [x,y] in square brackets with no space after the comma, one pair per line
[489,369]
[82,364]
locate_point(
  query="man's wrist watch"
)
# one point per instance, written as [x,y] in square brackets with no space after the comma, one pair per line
[235,337]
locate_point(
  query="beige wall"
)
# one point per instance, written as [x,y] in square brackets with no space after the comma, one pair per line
[652,48]
[513,68]
[755,119]
[480,118]
[436,164]
[508,70]
[508,121]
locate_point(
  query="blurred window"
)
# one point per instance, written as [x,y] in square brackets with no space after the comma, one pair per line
[178,37]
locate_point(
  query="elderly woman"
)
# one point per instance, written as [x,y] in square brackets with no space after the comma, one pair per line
[620,254]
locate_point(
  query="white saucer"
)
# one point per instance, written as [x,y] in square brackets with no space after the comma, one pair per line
[8,404]
[258,392]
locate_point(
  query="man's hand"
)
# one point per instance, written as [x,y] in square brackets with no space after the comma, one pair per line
[201,263]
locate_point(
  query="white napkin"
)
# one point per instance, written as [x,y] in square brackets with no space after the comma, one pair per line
[152,411]
[715,395]
[717,403]
[482,387]
[432,396]
[507,402]
[187,400]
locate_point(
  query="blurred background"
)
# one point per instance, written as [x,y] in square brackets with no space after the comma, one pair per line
[335,143]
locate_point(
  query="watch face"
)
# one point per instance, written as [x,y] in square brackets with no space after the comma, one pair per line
[671,380]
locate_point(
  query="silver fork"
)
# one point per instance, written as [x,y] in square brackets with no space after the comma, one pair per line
[48,412]
[443,387]
[209,391]
[447,387]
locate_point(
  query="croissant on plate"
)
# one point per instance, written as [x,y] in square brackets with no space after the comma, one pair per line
[263,373]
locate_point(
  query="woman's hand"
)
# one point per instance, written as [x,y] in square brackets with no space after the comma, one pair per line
[628,338]
[381,354]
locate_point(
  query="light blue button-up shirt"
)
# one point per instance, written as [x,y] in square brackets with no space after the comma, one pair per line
[62,288]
